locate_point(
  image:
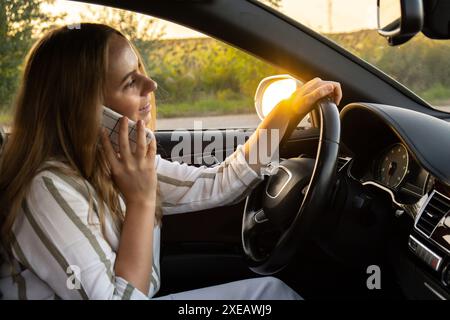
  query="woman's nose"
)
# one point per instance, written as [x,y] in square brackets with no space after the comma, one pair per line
[149,86]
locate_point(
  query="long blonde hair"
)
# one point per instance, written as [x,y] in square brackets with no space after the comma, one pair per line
[58,116]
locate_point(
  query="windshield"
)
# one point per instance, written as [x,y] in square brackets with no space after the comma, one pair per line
[421,64]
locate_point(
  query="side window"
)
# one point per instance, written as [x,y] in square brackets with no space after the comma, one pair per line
[199,78]
[202,79]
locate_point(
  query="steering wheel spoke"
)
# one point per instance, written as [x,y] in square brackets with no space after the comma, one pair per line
[254,220]
[260,217]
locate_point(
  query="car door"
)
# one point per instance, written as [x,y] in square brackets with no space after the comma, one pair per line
[201,248]
[204,248]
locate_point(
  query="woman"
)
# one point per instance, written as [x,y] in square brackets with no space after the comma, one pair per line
[79,221]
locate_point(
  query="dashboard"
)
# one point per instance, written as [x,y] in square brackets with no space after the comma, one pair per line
[407,160]
[392,166]
[406,154]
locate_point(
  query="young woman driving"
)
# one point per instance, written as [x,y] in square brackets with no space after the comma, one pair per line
[80,221]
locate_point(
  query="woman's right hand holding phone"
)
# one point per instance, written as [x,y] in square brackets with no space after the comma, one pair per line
[133,173]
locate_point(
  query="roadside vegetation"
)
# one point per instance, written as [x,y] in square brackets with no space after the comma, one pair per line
[202,76]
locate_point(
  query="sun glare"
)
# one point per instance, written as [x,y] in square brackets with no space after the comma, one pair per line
[276,92]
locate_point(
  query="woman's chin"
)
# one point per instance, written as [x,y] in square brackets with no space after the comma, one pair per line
[147,119]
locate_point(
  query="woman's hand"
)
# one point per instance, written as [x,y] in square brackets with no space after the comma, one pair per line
[133,173]
[305,98]
[135,176]
[300,103]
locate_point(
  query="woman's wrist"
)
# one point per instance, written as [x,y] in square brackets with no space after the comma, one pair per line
[147,203]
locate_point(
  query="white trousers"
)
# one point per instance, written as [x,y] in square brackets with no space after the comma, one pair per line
[264,288]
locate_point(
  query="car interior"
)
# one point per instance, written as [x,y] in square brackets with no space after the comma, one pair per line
[368,185]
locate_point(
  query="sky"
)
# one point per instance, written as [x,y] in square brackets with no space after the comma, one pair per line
[342,16]
[346,15]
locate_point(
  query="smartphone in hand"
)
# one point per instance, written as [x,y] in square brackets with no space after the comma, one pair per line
[110,122]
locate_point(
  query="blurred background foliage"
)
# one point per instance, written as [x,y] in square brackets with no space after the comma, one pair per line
[421,64]
[202,76]
[18,19]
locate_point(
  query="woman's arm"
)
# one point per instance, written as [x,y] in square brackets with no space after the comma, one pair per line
[135,176]
[186,188]
[61,242]
[59,239]
[292,110]
[134,257]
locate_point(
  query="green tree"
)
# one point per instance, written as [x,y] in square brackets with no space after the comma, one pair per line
[188,70]
[17,19]
[421,64]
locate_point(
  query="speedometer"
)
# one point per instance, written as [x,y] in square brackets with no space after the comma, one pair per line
[392,166]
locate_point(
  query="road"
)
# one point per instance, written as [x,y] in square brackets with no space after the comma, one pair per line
[213,122]
[446,109]
[223,122]
[216,122]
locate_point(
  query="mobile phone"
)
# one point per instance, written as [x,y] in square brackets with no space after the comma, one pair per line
[110,122]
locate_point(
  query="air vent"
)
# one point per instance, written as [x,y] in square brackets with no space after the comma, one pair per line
[342,162]
[437,207]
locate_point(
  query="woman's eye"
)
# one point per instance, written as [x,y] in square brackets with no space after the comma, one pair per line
[131,83]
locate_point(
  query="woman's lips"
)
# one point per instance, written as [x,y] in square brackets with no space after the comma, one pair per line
[145,109]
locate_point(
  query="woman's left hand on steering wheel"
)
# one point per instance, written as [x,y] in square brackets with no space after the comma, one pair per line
[304,99]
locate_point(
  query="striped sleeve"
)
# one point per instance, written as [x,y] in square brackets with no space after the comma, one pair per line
[55,240]
[186,188]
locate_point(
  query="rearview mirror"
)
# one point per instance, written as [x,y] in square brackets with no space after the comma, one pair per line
[399,20]
[272,90]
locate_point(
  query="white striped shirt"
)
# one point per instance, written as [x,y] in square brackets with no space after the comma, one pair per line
[59,254]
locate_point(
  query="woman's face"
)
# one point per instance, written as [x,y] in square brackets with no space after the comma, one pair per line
[127,90]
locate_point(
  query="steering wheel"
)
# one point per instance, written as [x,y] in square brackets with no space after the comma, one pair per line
[280,212]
